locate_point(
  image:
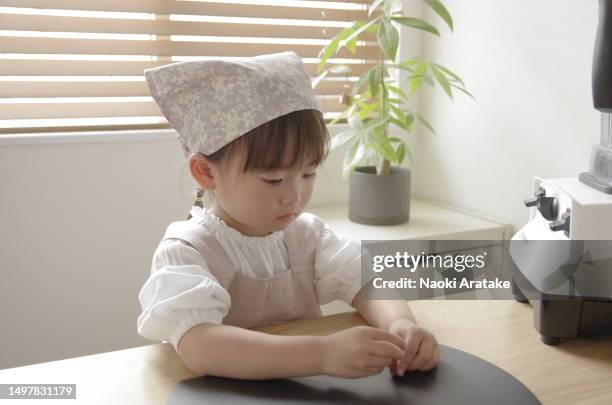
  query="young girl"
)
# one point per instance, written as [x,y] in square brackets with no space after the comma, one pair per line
[254,136]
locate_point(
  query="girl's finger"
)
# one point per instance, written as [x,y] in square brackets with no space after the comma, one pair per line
[434,360]
[411,349]
[385,349]
[381,334]
[424,355]
[393,368]
[380,362]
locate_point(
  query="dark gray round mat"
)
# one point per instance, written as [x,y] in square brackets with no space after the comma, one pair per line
[460,378]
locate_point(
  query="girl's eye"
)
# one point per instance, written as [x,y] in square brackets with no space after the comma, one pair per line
[274,182]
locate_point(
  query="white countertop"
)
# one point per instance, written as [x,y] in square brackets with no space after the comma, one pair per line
[428,221]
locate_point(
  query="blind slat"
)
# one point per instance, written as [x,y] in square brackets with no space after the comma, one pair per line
[194,8]
[76,109]
[168,48]
[28,67]
[165,27]
[90,124]
[27,89]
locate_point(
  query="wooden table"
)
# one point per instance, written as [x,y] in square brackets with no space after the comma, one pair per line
[501,332]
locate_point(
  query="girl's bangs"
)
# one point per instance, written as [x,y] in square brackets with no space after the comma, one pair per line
[302,133]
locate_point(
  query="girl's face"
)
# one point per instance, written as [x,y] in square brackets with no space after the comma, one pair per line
[257,203]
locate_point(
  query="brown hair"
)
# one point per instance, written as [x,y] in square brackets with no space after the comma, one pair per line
[265,144]
[304,130]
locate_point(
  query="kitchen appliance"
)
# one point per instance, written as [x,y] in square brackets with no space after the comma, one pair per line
[563,255]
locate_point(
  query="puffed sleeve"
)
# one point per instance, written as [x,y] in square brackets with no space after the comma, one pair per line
[179,294]
[337,264]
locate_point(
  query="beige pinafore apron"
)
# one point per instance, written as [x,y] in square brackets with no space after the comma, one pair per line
[286,296]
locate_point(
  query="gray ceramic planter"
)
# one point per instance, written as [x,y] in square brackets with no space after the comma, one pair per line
[379,200]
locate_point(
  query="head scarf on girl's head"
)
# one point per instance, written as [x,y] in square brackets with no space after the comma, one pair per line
[210,103]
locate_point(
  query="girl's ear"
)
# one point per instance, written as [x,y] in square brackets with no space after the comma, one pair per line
[202,171]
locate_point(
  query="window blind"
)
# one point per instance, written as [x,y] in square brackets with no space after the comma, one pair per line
[74,65]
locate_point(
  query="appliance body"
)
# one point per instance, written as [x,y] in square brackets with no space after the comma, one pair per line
[573,214]
[599,175]
[570,227]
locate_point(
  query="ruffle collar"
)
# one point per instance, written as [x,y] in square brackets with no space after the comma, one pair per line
[218,226]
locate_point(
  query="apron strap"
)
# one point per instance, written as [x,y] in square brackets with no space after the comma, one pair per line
[207,245]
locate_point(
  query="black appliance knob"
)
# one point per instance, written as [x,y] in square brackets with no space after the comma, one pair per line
[563,224]
[532,202]
[548,207]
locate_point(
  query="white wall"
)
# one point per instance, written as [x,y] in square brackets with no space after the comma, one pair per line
[528,63]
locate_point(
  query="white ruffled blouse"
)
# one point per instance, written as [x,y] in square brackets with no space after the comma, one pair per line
[181,292]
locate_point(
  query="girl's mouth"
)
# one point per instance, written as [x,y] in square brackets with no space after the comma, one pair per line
[286,217]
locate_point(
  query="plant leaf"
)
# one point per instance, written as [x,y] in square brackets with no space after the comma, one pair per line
[342,138]
[394,66]
[410,63]
[330,49]
[401,153]
[450,74]
[318,79]
[409,154]
[423,121]
[361,103]
[360,83]
[360,28]
[394,100]
[372,29]
[414,83]
[442,80]
[374,79]
[398,113]
[352,46]
[388,38]
[348,160]
[424,78]
[396,90]
[441,10]
[380,143]
[373,6]
[399,124]
[409,119]
[463,91]
[417,23]
[338,118]
[394,7]
[420,68]
[377,122]
[367,109]
[352,159]
[354,121]
[370,157]
[406,119]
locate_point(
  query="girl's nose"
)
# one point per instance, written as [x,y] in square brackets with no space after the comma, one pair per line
[292,195]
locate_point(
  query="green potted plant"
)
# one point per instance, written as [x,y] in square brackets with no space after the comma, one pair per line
[379,192]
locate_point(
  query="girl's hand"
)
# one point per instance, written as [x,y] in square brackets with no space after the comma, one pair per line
[360,351]
[421,350]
